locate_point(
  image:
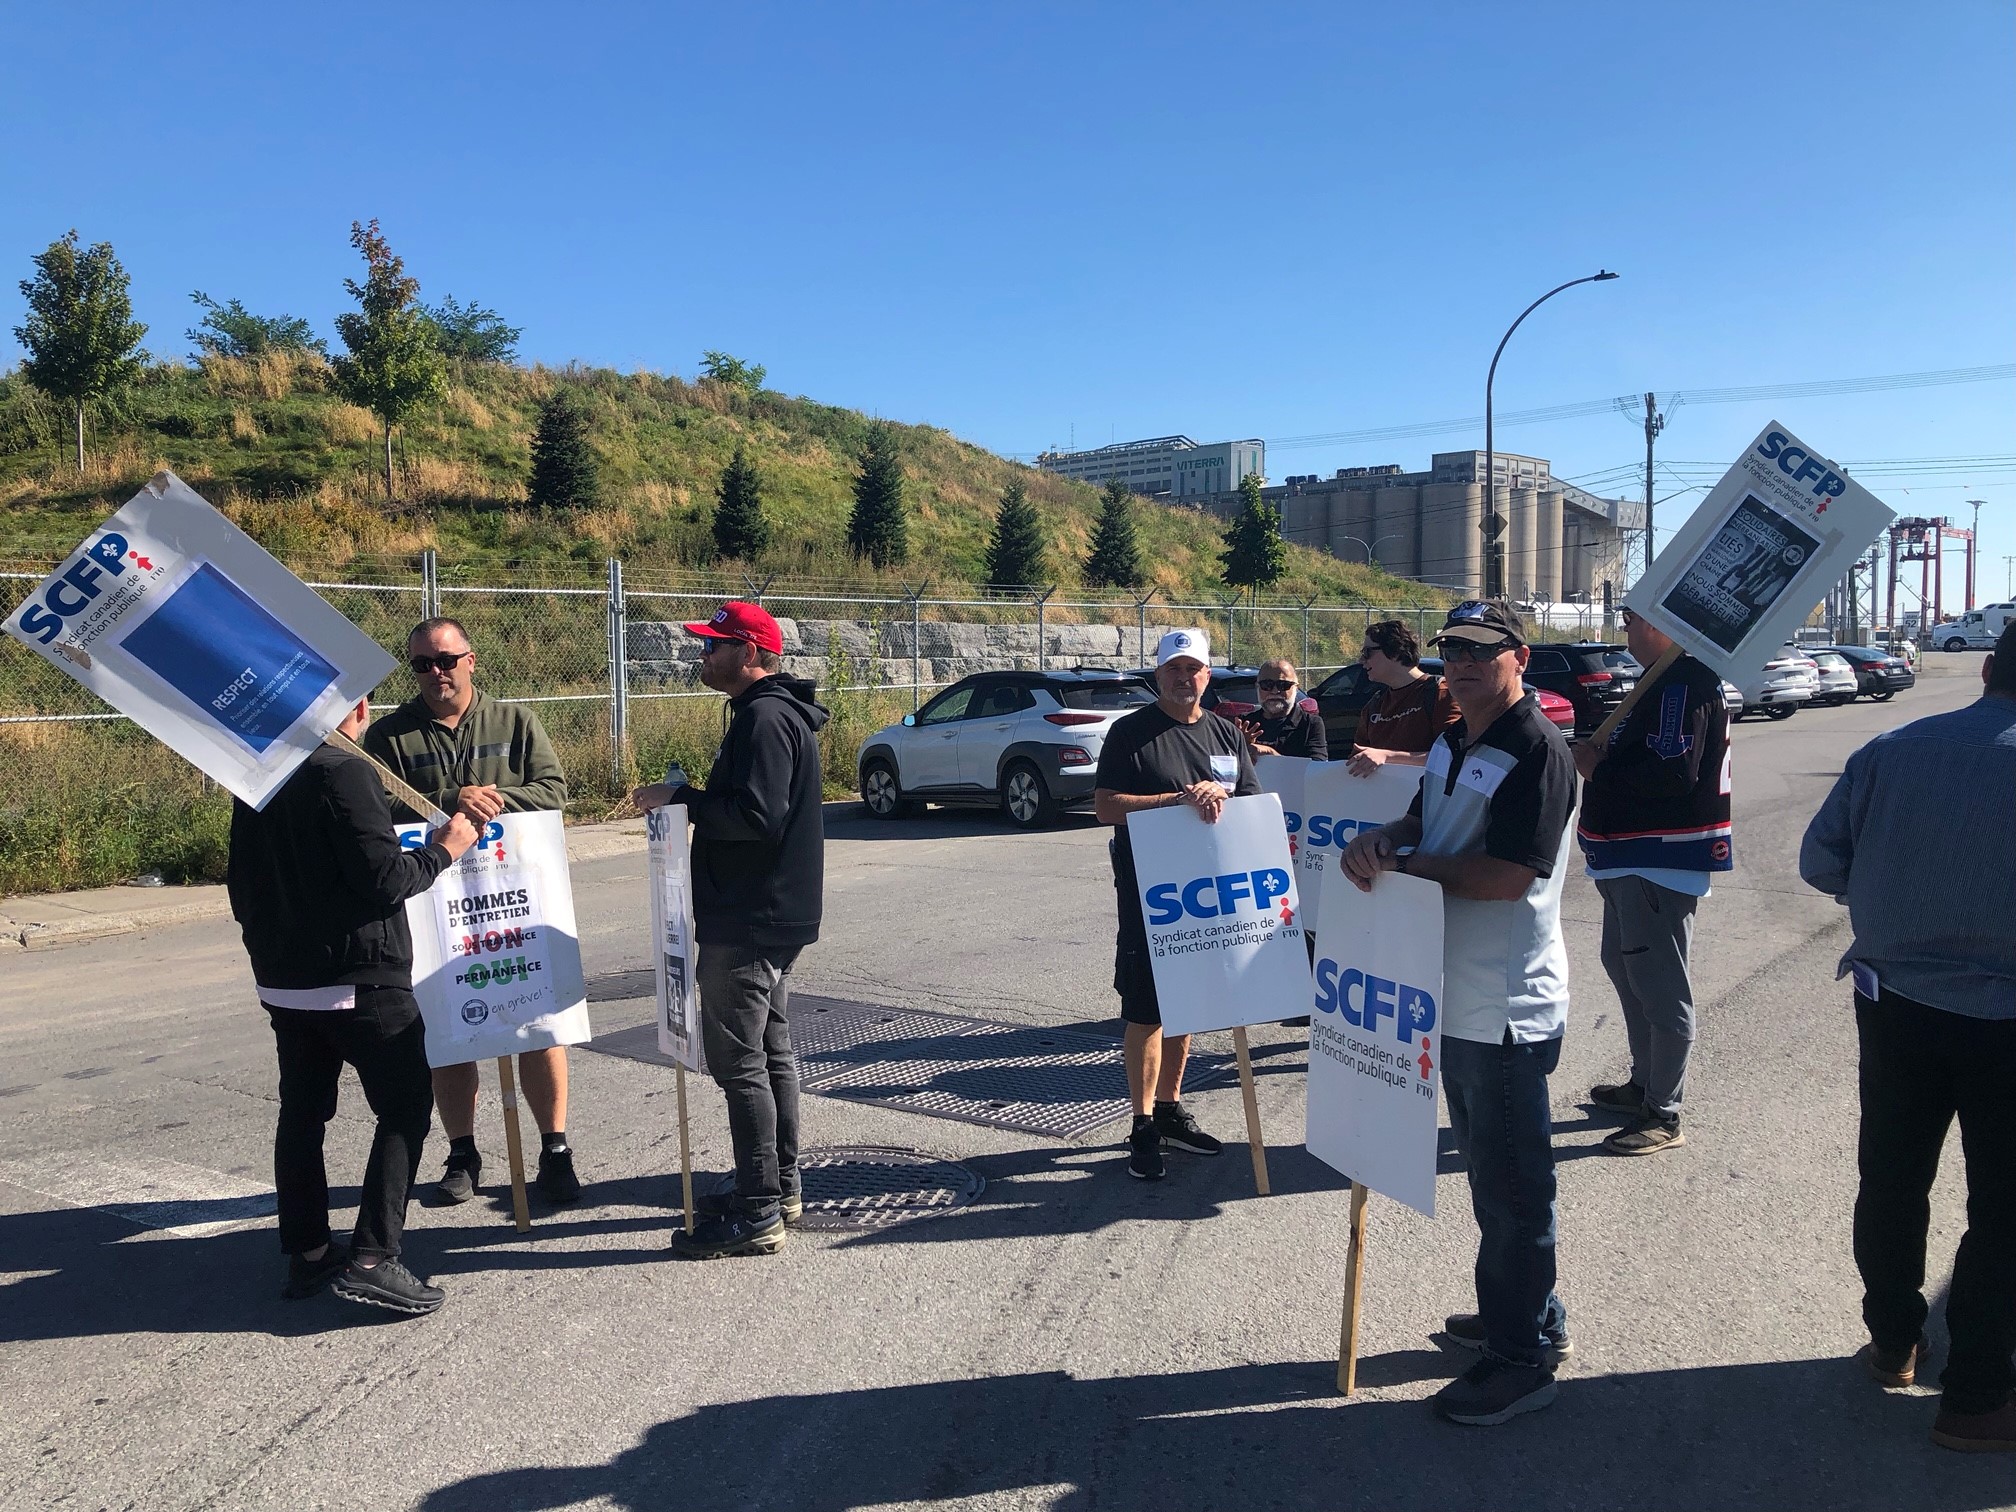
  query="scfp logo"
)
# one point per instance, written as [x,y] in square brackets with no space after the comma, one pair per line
[1212,897]
[1329,829]
[1410,1008]
[1799,465]
[72,593]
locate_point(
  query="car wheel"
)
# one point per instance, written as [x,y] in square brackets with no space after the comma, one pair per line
[1955,644]
[1025,798]
[879,791]
[1884,695]
[1781,711]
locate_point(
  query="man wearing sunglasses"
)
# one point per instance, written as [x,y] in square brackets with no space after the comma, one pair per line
[479,758]
[1410,711]
[1490,825]
[1284,727]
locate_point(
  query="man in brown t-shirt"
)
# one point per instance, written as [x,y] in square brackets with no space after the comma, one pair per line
[1411,709]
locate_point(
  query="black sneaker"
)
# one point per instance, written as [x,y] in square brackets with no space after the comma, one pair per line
[1179,1130]
[460,1178]
[1619,1097]
[1144,1152]
[720,1203]
[557,1181]
[307,1277]
[1491,1392]
[1466,1331]
[1646,1136]
[729,1235]
[390,1285]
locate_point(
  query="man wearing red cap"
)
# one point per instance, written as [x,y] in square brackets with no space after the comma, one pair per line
[758,877]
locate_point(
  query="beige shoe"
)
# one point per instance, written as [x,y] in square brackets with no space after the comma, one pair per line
[1895,1367]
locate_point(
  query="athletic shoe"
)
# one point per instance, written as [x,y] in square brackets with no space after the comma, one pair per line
[729,1235]
[389,1284]
[460,1178]
[1466,1331]
[1180,1132]
[719,1204]
[1648,1136]
[1144,1152]
[1977,1432]
[1895,1367]
[1492,1392]
[557,1181]
[1619,1097]
[307,1277]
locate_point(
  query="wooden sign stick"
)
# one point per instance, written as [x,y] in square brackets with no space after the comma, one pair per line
[509,1086]
[1354,1277]
[1252,1100]
[1646,678]
[395,786]
[685,1150]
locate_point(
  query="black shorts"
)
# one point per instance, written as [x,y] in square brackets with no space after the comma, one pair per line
[1134,980]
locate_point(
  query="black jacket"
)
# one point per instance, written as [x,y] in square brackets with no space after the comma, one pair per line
[1296,733]
[759,833]
[318,882]
[1660,799]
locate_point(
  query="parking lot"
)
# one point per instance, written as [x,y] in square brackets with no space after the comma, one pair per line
[1070,1339]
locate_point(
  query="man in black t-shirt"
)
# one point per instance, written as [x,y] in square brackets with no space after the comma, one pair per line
[1174,751]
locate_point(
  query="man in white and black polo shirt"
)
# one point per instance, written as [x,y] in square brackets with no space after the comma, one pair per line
[1491,825]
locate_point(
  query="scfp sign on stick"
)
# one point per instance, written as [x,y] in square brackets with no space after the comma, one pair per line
[672,932]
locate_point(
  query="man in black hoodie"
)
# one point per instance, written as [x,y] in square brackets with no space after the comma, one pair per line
[318,885]
[759,872]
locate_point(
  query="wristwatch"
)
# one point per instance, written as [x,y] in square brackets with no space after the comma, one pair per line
[1400,860]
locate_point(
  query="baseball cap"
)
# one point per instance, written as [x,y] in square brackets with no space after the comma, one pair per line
[1183,643]
[1488,622]
[744,622]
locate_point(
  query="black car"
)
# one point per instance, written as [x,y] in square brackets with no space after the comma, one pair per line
[1590,675]
[1344,692]
[1232,691]
[1878,674]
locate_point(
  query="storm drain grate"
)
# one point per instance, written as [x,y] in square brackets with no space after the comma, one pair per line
[874,1187]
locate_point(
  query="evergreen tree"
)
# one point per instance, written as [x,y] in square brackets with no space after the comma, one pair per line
[1015,554]
[877,529]
[392,366]
[1115,560]
[563,464]
[740,531]
[1255,556]
[81,337]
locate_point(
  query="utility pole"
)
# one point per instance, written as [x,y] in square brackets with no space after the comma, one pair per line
[1973,545]
[1654,423]
[2009,577]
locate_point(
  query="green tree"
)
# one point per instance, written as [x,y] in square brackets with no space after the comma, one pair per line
[733,371]
[1255,556]
[1015,554]
[877,529]
[563,464]
[1115,559]
[231,330]
[740,531]
[472,333]
[393,365]
[81,337]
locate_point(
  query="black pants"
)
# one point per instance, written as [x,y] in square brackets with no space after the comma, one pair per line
[384,1038]
[1920,1067]
[745,1026]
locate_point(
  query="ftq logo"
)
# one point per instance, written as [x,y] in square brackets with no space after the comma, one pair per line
[1259,892]
[1362,1000]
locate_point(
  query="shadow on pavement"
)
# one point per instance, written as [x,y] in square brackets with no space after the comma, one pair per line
[852,821]
[1797,1434]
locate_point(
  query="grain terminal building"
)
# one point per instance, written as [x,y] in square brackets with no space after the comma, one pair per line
[1164,467]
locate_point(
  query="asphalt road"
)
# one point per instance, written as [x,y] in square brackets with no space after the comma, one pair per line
[1074,1339]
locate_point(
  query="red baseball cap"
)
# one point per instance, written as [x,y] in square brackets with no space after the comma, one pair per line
[744,622]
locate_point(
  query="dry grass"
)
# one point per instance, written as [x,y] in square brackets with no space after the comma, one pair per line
[269,376]
[470,409]
[348,424]
[243,426]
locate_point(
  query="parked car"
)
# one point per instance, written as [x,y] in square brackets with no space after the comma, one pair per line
[1789,679]
[1878,673]
[1592,676]
[1025,741]
[1838,682]
[1343,693]
[1232,691]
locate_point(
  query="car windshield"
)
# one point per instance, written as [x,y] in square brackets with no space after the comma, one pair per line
[1104,695]
[1242,689]
[1832,661]
[1620,661]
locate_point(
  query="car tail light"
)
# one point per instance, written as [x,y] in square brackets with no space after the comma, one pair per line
[1590,679]
[1073,756]
[1075,719]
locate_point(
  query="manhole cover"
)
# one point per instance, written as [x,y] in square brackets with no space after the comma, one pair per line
[872,1187]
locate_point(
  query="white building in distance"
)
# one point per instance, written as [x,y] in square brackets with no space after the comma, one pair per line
[1164,467]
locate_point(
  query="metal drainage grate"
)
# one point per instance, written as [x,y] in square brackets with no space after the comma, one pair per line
[874,1187]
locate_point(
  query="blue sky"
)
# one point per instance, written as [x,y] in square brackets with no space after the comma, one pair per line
[1028,222]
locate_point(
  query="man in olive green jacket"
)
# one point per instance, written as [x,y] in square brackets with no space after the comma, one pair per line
[475,756]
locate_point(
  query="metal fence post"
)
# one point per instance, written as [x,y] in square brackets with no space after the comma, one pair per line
[916,597]
[1041,599]
[1231,608]
[430,585]
[618,678]
[1141,626]
[1307,604]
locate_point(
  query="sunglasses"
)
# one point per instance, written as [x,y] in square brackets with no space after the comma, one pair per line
[1630,618]
[1471,651]
[709,644]
[447,661]
[1276,684]
[1365,653]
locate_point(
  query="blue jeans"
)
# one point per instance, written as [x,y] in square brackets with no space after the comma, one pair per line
[1505,1131]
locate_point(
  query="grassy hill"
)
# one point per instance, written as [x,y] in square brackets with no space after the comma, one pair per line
[268,441]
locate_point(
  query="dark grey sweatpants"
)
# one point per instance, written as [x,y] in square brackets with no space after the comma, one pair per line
[1647,933]
[745,999]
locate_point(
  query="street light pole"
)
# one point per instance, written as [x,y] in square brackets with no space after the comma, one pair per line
[1494,523]
[1372,548]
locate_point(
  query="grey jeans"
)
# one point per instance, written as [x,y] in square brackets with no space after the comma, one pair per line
[745,992]
[1647,933]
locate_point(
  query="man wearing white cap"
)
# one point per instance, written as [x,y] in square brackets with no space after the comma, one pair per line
[1174,751]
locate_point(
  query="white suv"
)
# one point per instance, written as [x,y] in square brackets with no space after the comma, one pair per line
[1789,679]
[1027,741]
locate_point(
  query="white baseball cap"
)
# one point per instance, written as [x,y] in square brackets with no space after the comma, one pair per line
[1183,643]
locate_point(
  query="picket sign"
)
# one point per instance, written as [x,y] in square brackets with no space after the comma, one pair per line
[1325,808]
[669,853]
[186,625]
[1373,1061]
[497,958]
[1224,928]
